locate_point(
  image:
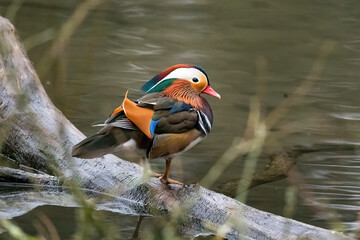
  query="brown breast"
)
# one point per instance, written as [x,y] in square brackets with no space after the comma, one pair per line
[165,145]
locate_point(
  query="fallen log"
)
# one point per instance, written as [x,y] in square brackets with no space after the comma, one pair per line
[37,138]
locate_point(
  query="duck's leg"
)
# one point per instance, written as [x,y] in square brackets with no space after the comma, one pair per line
[165,178]
[147,172]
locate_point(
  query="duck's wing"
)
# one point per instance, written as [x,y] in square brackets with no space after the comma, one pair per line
[154,114]
[170,115]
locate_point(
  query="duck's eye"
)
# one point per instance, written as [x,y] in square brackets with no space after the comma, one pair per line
[195,79]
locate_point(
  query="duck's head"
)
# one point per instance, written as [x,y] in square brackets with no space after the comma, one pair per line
[184,82]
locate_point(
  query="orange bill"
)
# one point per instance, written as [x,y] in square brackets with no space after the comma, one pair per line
[141,117]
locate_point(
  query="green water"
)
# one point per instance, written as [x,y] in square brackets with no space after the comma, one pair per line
[122,44]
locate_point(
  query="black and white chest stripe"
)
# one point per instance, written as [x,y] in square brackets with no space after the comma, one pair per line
[203,124]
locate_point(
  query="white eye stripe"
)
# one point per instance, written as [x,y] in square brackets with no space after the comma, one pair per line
[186,73]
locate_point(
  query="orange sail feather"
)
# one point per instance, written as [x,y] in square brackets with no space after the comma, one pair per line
[117,110]
[141,117]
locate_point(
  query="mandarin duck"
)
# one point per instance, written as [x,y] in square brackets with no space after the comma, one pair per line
[169,119]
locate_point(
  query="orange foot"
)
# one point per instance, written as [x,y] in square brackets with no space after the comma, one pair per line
[165,180]
[154,174]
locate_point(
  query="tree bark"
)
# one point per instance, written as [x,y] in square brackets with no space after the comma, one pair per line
[37,139]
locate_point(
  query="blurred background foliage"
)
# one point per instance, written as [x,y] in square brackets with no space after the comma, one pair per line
[88,53]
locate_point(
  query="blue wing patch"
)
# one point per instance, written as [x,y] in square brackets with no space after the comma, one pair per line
[179,107]
[153,126]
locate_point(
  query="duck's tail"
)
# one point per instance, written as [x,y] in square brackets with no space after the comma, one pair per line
[100,144]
